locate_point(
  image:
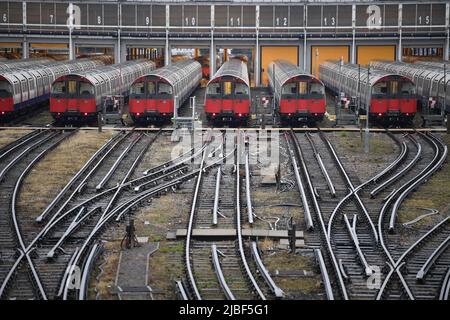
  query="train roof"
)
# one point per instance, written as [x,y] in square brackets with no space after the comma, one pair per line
[232,68]
[286,70]
[99,74]
[375,76]
[172,72]
[14,75]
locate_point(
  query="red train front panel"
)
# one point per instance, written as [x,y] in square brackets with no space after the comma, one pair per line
[151,100]
[227,100]
[73,98]
[393,99]
[302,100]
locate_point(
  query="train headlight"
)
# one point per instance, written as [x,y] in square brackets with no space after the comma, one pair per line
[214,114]
[240,114]
[85,114]
[380,114]
[3,112]
[138,114]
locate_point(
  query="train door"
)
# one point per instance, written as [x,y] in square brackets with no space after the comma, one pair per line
[227,96]
[394,101]
[72,86]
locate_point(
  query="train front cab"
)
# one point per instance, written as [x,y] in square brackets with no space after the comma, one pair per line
[302,100]
[6,99]
[151,100]
[393,100]
[73,99]
[227,100]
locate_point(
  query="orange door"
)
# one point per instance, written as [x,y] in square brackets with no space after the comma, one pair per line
[269,54]
[321,54]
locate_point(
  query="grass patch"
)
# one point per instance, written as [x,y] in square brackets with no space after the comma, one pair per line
[53,172]
[9,135]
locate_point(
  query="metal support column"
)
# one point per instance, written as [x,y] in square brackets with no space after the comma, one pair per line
[167,55]
[25,49]
[212,49]
[257,53]
[400,23]
[304,49]
[447,24]
[353,57]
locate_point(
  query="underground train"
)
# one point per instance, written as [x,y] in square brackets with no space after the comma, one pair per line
[389,97]
[78,96]
[25,88]
[433,85]
[24,63]
[299,96]
[227,97]
[154,95]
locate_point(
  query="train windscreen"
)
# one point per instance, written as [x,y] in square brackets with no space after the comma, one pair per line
[5,89]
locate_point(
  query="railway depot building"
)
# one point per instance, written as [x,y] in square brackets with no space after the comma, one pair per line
[303,32]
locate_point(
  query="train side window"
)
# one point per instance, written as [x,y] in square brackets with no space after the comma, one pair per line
[72,87]
[151,88]
[5,89]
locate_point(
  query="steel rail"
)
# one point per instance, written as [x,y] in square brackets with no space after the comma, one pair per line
[396,264]
[95,251]
[6,150]
[187,253]
[352,231]
[352,188]
[421,274]
[247,191]
[130,170]
[307,213]
[216,197]
[218,270]
[14,161]
[74,225]
[179,287]
[85,179]
[324,272]
[318,210]
[125,207]
[164,165]
[17,230]
[445,289]
[264,272]
[118,161]
[420,178]
[400,173]
[250,276]
[72,181]
[321,165]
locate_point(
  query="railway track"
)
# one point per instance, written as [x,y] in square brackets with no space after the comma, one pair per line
[17,160]
[350,224]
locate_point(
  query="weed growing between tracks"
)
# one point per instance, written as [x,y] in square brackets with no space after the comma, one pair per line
[53,172]
[350,147]
[9,135]
[295,286]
